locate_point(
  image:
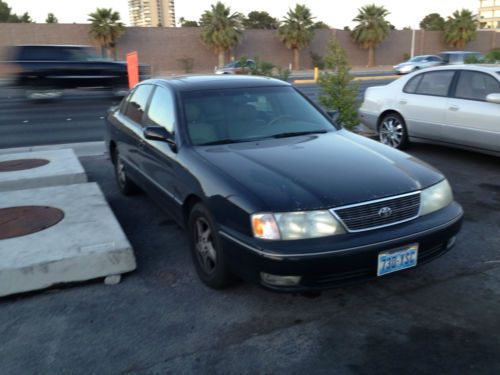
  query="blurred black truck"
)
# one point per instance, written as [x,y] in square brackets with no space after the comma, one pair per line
[46,70]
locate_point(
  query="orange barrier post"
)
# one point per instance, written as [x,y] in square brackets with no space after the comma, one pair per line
[132,69]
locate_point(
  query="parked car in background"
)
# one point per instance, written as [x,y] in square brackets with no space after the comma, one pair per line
[418,62]
[237,67]
[44,71]
[457,106]
[459,57]
[271,189]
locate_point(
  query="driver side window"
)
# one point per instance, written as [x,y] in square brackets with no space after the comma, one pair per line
[161,110]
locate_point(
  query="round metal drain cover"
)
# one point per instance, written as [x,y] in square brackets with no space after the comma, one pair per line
[21,164]
[24,220]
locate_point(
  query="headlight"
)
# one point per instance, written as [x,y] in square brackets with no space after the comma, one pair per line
[295,225]
[406,68]
[436,197]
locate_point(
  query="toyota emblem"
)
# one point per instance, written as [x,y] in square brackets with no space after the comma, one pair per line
[385,212]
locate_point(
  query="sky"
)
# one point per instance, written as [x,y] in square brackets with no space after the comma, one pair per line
[403,12]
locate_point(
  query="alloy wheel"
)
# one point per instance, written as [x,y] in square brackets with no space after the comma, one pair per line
[205,250]
[391,132]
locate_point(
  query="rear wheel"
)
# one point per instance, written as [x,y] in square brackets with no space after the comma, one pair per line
[392,131]
[125,184]
[206,250]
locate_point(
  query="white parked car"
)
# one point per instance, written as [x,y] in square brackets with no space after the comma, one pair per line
[454,105]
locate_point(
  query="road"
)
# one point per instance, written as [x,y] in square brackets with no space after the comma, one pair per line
[77,117]
[441,318]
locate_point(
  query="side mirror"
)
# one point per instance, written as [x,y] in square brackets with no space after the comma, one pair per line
[493,98]
[159,133]
[334,114]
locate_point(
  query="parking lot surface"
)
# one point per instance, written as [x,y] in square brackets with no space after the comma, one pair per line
[442,317]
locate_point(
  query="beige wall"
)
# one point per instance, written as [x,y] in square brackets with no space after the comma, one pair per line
[162,47]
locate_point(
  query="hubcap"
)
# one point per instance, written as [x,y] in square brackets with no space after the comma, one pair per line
[205,250]
[120,171]
[391,132]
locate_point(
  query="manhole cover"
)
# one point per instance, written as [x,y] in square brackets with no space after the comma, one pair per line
[21,164]
[24,220]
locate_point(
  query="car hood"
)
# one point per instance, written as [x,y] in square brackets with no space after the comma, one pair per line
[402,65]
[319,171]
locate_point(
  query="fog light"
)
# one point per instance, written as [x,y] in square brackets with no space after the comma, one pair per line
[451,242]
[277,280]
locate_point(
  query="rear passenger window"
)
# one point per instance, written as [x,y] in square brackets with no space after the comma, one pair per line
[435,83]
[137,103]
[476,85]
[412,84]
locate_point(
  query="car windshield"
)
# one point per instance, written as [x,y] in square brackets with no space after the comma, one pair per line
[234,64]
[248,114]
[418,59]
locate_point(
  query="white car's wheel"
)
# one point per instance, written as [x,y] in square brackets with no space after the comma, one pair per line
[392,131]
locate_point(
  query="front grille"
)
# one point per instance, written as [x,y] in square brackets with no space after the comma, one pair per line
[365,216]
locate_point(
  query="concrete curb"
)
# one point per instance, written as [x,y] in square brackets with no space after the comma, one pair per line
[87,243]
[363,78]
[80,149]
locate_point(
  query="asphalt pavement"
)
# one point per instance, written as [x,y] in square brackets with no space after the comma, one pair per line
[76,117]
[442,317]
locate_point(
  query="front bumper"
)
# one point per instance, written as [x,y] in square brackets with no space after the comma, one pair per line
[369,119]
[327,262]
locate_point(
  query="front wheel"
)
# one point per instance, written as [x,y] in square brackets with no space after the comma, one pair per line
[125,184]
[207,252]
[392,131]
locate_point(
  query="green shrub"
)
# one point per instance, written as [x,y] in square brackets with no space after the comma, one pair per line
[493,56]
[186,64]
[473,60]
[339,90]
[317,61]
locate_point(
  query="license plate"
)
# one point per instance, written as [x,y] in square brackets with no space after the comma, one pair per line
[396,260]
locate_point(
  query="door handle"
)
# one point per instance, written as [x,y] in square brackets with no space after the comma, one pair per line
[403,101]
[454,108]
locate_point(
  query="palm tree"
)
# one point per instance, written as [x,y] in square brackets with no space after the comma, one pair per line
[106,28]
[371,30]
[51,18]
[221,29]
[460,28]
[297,31]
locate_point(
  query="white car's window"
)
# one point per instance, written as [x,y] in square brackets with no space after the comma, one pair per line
[412,84]
[476,85]
[435,83]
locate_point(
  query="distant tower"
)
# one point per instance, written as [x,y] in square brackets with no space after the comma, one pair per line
[489,14]
[152,13]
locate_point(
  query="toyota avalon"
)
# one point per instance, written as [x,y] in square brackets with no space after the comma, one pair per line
[271,189]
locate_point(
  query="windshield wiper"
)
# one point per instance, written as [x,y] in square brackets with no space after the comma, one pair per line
[295,134]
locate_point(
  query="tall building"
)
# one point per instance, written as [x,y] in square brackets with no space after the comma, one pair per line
[489,14]
[152,13]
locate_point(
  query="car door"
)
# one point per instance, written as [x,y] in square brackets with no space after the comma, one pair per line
[158,158]
[423,102]
[130,125]
[470,119]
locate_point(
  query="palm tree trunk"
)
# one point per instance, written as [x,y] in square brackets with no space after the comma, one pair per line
[221,57]
[296,59]
[371,56]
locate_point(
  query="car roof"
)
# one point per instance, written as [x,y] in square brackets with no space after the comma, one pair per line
[491,68]
[459,52]
[216,82]
[54,45]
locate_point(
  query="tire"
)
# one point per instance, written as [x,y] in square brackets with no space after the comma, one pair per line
[125,184]
[392,131]
[206,249]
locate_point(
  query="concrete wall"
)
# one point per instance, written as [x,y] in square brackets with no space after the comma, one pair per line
[163,47]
